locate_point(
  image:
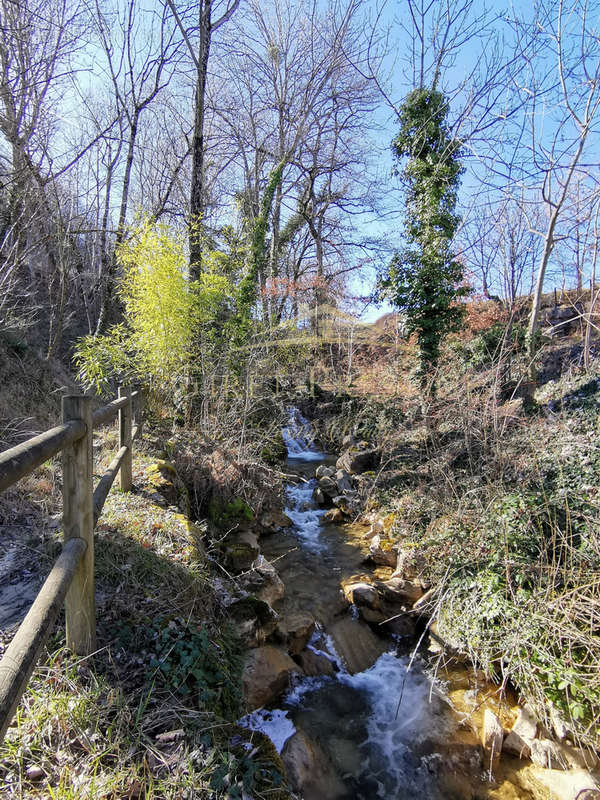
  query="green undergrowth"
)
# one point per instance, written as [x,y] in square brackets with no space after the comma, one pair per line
[152,714]
[505,518]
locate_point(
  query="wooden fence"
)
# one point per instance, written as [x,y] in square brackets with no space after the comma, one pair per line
[71,580]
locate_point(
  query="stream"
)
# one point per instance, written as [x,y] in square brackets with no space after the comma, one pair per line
[388,730]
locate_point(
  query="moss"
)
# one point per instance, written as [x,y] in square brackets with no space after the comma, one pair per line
[225,513]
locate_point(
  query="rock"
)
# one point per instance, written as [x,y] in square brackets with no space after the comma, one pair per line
[547,754]
[241,550]
[400,624]
[572,785]
[255,620]
[263,582]
[324,472]
[492,735]
[334,515]
[397,590]
[318,496]
[274,521]
[348,441]
[309,770]
[558,724]
[373,616]
[518,742]
[343,482]
[267,673]
[423,602]
[344,503]
[314,664]
[383,551]
[362,594]
[35,773]
[295,631]
[356,460]
[328,486]
[356,644]
[411,563]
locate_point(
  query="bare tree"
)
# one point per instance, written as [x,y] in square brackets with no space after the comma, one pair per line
[562,115]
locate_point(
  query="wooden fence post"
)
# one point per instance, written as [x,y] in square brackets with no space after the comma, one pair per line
[125,439]
[78,522]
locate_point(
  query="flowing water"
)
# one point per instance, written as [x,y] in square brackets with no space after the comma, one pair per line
[387,731]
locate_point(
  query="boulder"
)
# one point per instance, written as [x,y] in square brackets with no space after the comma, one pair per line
[348,441]
[519,740]
[344,503]
[263,582]
[241,550]
[362,594]
[318,496]
[342,480]
[411,563]
[334,515]
[266,675]
[274,521]
[356,460]
[356,644]
[254,619]
[324,472]
[295,630]
[572,785]
[400,624]
[547,754]
[314,664]
[383,551]
[492,736]
[397,590]
[309,770]
[328,486]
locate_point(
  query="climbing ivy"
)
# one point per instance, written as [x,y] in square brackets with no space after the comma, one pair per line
[423,280]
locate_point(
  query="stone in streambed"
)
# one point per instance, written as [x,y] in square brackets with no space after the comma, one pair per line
[342,479]
[362,594]
[523,732]
[356,644]
[314,664]
[492,736]
[309,770]
[263,582]
[334,515]
[266,675]
[397,590]
[383,551]
[295,631]
[274,521]
[328,486]
[324,472]
[318,496]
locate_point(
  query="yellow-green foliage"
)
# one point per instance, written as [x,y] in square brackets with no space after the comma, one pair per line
[165,312]
[163,308]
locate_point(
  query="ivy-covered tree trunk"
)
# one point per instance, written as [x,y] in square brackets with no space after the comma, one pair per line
[424,280]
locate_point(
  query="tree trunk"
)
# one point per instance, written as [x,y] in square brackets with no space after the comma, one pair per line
[197,200]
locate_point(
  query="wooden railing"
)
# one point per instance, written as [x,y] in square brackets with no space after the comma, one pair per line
[71,580]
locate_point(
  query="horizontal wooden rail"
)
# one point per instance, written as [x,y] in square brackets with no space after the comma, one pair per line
[107,413]
[23,652]
[27,456]
[106,481]
[71,580]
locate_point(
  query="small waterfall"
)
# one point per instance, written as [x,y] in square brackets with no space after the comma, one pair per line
[298,438]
